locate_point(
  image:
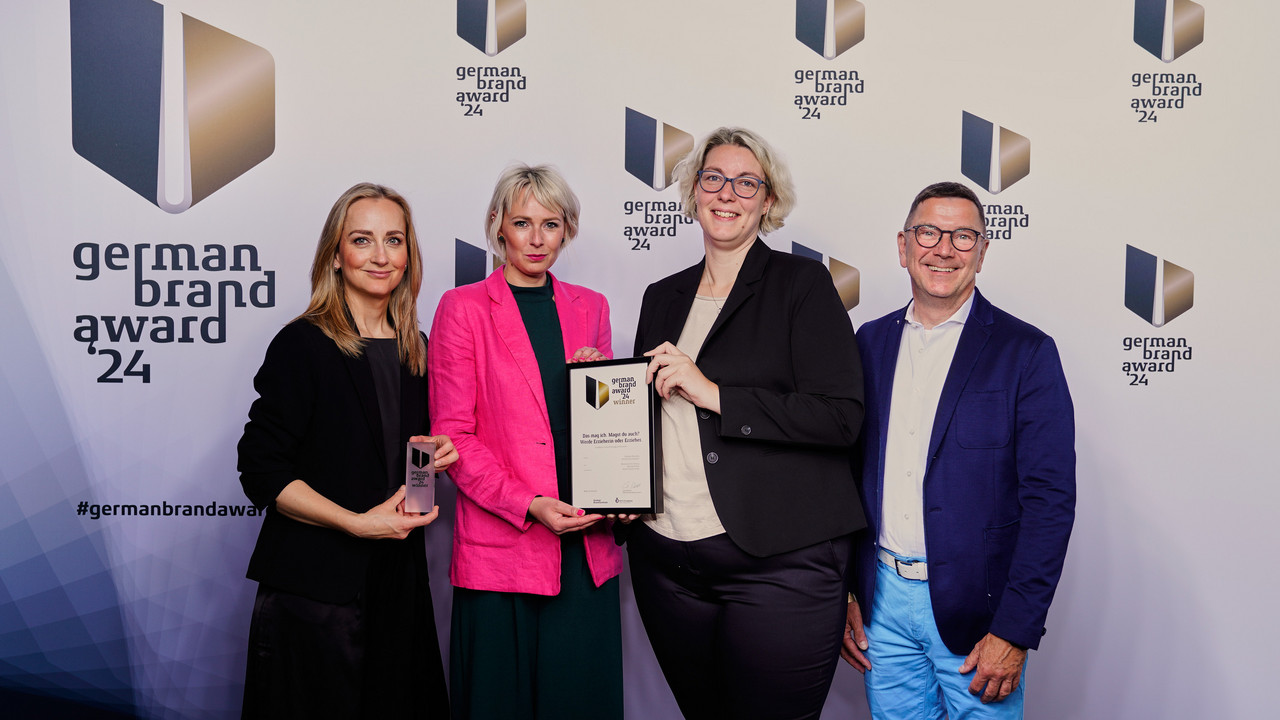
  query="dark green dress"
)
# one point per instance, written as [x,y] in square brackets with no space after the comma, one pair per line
[517,655]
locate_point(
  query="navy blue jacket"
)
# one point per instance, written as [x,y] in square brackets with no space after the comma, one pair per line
[1000,479]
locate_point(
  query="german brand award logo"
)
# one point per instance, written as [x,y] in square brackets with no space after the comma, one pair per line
[652,151]
[992,156]
[1156,290]
[653,148]
[419,458]
[830,27]
[491,26]
[173,143]
[847,278]
[1168,29]
[597,393]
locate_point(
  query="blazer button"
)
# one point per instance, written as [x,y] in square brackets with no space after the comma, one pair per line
[713,458]
[704,414]
[746,429]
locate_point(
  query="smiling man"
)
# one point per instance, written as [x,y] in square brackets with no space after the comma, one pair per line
[968,481]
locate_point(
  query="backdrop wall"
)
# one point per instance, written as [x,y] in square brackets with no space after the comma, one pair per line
[151,247]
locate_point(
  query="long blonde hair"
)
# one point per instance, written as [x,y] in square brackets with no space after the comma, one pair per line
[328,308]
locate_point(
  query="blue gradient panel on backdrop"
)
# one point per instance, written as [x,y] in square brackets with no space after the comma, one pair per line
[975,149]
[116,51]
[61,630]
[472,18]
[468,263]
[811,24]
[1148,25]
[641,139]
[803,251]
[1140,282]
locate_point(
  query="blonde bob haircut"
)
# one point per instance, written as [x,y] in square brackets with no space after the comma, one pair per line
[776,174]
[328,308]
[549,189]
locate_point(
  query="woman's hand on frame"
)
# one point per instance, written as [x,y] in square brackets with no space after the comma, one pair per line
[671,371]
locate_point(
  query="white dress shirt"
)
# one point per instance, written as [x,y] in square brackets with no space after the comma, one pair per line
[924,357]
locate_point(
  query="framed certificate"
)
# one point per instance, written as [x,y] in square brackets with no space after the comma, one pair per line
[615,438]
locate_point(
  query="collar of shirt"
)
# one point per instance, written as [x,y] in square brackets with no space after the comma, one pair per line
[959,316]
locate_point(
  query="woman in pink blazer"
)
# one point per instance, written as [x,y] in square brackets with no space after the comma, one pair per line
[536,630]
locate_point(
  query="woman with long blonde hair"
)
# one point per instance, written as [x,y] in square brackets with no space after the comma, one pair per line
[343,623]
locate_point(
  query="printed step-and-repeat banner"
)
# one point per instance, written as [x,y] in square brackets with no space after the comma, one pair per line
[165,168]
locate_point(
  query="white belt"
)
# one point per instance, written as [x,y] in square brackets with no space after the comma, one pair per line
[918,570]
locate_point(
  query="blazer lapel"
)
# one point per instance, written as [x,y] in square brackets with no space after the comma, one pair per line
[573,317]
[888,359]
[675,311]
[743,288]
[886,356]
[977,330]
[509,325]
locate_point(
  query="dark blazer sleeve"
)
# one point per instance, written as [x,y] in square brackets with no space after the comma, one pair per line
[316,420]
[278,419]
[785,358]
[815,396]
[1044,461]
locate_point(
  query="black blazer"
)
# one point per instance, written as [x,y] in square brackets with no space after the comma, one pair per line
[784,355]
[316,419]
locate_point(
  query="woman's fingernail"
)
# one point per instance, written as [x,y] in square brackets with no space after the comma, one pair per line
[581,513]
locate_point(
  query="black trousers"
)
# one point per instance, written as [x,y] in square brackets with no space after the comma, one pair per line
[737,635]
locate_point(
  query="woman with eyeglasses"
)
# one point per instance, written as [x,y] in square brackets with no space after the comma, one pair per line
[741,581]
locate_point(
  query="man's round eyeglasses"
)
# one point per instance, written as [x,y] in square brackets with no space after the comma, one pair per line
[744,186]
[962,239]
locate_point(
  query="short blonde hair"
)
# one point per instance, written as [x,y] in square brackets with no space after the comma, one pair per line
[776,174]
[549,189]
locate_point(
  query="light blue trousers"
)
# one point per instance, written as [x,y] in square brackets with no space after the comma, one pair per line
[913,674]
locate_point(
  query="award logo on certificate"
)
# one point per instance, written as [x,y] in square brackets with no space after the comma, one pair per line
[420,477]
[615,444]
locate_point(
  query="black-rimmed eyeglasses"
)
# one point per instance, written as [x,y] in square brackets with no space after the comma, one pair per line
[962,239]
[744,186]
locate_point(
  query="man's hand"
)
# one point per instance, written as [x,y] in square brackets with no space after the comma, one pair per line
[999,665]
[855,639]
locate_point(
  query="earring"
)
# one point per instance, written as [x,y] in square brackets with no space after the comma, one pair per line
[501,240]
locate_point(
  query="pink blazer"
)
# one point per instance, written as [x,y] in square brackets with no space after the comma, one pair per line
[486,394]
